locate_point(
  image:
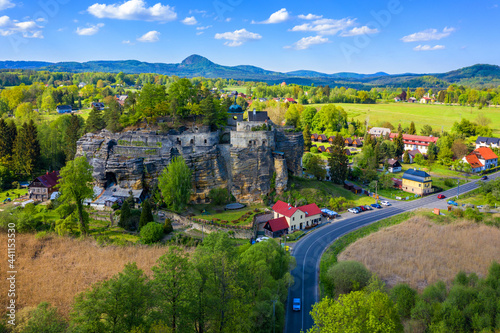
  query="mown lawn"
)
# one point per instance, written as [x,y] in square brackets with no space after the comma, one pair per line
[438,116]
[218,212]
[12,194]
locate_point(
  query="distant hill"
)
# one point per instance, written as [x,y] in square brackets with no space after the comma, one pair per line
[198,66]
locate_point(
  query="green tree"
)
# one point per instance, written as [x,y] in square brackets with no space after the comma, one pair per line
[307,116]
[316,167]
[75,186]
[338,161]
[151,233]
[406,157]
[24,112]
[115,305]
[404,297]
[412,130]
[125,215]
[27,149]
[43,318]
[175,184]
[209,112]
[95,122]
[167,226]
[356,312]
[307,138]
[347,276]
[146,214]
[431,152]
[399,143]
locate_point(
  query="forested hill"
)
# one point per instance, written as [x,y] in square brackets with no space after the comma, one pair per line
[197,66]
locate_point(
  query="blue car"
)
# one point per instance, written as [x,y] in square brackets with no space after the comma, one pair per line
[296,304]
[451,202]
[376,206]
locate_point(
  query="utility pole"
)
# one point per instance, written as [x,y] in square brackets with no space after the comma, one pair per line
[458,187]
[376,190]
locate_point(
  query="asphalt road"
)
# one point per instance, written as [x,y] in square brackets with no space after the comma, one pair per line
[308,250]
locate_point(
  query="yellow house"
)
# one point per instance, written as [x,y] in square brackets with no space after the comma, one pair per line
[417,182]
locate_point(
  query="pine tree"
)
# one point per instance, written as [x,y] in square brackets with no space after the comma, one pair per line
[146,214]
[94,121]
[72,136]
[27,149]
[5,152]
[338,161]
[208,111]
[400,145]
[125,215]
[412,130]
[307,138]
[406,157]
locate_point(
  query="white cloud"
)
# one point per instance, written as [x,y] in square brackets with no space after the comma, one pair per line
[90,30]
[237,37]
[310,17]
[134,10]
[428,48]
[325,26]
[429,34]
[364,30]
[307,42]
[190,20]
[204,28]
[280,16]
[28,29]
[150,37]
[200,33]
[4,4]
[41,19]
[127,42]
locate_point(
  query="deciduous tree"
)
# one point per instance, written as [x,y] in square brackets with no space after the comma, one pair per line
[175,184]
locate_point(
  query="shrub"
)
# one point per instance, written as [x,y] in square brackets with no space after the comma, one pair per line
[404,297]
[43,318]
[347,276]
[449,182]
[167,226]
[314,150]
[219,196]
[151,233]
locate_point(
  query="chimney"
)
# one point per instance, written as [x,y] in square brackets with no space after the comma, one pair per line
[254,112]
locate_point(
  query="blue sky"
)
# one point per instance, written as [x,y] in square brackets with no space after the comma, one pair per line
[328,36]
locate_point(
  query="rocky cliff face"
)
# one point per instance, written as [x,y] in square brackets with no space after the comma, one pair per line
[135,159]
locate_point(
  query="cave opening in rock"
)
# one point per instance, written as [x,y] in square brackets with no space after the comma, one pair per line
[225,138]
[174,152]
[110,179]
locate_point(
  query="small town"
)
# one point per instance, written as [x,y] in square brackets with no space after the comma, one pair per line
[225,167]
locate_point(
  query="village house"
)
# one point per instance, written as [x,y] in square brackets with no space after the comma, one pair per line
[394,165]
[412,154]
[41,188]
[412,142]
[121,99]
[331,139]
[314,137]
[417,182]
[482,158]
[322,138]
[259,116]
[321,149]
[97,105]
[425,100]
[487,142]
[348,141]
[297,218]
[357,142]
[377,132]
[276,227]
[64,109]
[290,100]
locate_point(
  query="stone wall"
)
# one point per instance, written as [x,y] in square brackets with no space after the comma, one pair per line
[245,166]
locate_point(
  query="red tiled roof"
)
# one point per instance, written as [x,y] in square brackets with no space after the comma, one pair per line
[410,138]
[486,153]
[283,208]
[289,100]
[278,224]
[50,179]
[473,161]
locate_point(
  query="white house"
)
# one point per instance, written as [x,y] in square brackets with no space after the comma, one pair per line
[487,142]
[297,217]
[379,131]
[413,142]
[394,165]
[481,159]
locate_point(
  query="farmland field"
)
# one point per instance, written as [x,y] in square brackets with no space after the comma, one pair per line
[438,116]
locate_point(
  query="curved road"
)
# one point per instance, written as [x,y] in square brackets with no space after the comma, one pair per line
[308,250]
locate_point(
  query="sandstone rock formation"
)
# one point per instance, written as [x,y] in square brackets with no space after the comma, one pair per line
[245,165]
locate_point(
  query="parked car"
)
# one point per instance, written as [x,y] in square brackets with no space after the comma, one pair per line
[361,208]
[480,206]
[368,207]
[376,205]
[441,196]
[296,304]
[484,177]
[385,203]
[353,210]
[260,239]
[451,202]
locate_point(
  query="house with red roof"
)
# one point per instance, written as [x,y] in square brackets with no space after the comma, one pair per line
[481,159]
[276,227]
[413,142]
[290,100]
[298,218]
[42,187]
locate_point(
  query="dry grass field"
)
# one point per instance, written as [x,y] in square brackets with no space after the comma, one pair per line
[55,269]
[420,252]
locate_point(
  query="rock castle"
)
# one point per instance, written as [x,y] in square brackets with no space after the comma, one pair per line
[242,158]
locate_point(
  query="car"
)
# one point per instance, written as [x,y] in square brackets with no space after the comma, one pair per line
[376,205]
[353,210]
[361,208]
[385,203]
[451,202]
[296,304]
[260,239]
[441,196]
[480,206]
[368,207]
[484,177]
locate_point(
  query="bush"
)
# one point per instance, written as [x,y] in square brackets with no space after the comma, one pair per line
[167,226]
[347,276]
[449,182]
[151,233]
[43,318]
[404,297]
[314,150]
[219,196]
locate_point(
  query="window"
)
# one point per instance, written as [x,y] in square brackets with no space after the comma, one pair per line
[293,218]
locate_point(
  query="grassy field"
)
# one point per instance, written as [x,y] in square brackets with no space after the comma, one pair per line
[55,269]
[421,251]
[438,116]
[12,194]
[237,88]
[218,212]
